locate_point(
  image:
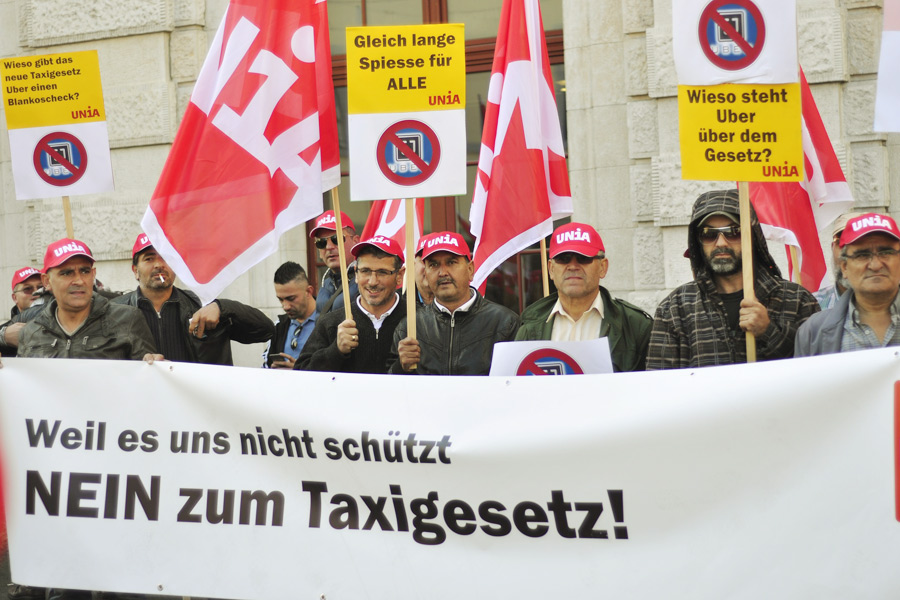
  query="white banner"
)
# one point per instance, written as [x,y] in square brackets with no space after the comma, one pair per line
[735,41]
[772,480]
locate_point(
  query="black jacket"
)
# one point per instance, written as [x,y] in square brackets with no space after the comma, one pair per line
[371,356]
[238,322]
[458,344]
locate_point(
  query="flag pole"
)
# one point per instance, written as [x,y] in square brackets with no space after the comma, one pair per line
[345,285]
[747,254]
[67,211]
[795,262]
[411,290]
[545,277]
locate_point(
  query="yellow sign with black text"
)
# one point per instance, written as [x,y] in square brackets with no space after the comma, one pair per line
[740,132]
[406,68]
[52,89]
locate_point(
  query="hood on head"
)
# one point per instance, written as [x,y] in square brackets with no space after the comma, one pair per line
[726,201]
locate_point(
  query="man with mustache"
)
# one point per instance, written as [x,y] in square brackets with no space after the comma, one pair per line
[362,343]
[184,330]
[704,322]
[456,333]
[868,314]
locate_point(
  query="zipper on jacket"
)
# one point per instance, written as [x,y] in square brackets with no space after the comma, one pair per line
[450,353]
[68,344]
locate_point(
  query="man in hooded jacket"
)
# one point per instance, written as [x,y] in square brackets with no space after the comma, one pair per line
[704,322]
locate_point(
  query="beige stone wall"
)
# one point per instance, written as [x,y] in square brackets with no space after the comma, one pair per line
[623,127]
[150,52]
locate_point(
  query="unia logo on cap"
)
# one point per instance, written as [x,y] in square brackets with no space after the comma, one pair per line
[326,220]
[380,239]
[69,248]
[573,236]
[442,239]
[872,221]
[143,240]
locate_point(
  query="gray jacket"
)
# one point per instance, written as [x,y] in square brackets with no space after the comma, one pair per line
[111,331]
[822,332]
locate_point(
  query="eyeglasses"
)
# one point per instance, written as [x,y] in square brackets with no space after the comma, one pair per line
[864,256]
[709,235]
[378,273]
[26,289]
[321,243]
[566,257]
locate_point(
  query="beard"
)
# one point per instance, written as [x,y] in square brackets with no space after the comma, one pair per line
[723,261]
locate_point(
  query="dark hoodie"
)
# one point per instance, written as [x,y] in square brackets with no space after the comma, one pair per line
[690,327]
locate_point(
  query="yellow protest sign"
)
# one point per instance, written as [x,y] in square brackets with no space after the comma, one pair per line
[740,132]
[406,68]
[52,89]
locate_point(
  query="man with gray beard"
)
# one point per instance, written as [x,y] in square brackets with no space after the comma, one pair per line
[704,322]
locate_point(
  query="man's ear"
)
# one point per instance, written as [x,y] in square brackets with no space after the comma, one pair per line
[45,282]
[470,267]
[604,267]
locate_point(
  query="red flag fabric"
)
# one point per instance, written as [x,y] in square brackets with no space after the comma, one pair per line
[793,213]
[522,182]
[257,146]
[388,218]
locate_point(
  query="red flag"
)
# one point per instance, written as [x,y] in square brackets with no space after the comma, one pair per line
[388,218]
[522,182]
[248,162]
[793,213]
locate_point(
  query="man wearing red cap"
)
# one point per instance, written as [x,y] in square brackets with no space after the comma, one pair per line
[424,294]
[25,282]
[184,330]
[331,296]
[868,314]
[582,309]
[362,343]
[78,323]
[456,333]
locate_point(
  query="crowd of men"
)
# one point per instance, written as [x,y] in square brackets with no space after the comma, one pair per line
[62,312]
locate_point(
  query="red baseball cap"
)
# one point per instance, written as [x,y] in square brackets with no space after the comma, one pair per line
[328,222]
[62,250]
[140,244]
[445,241]
[868,223]
[23,274]
[385,244]
[580,238]
[420,245]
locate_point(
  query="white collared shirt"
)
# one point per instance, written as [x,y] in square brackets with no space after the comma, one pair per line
[378,321]
[464,308]
[567,329]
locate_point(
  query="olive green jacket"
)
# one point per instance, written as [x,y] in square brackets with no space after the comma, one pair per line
[626,326]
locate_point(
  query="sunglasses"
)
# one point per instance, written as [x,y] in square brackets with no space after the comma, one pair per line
[566,257]
[709,235]
[294,341]
[321,243]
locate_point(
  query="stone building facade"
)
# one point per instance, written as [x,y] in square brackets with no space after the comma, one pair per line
[621,112]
